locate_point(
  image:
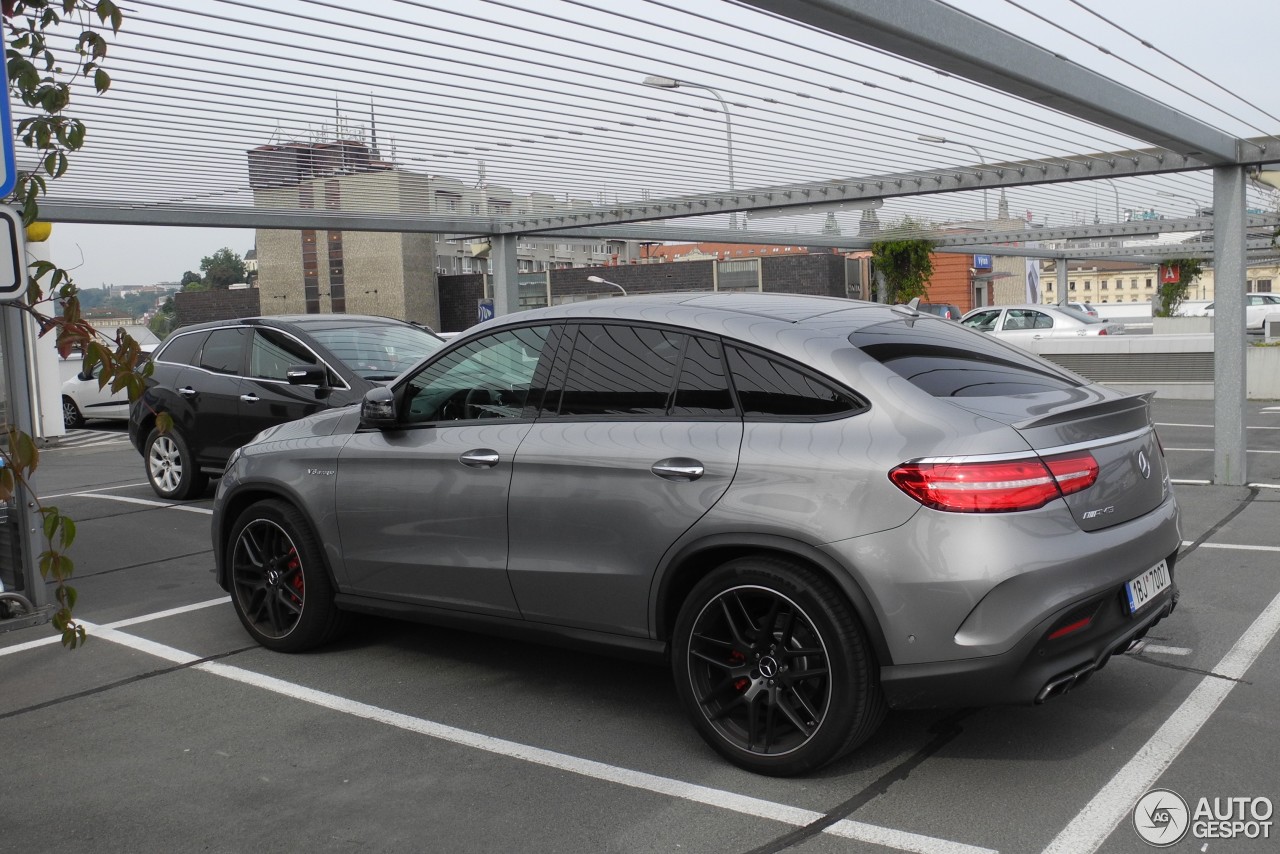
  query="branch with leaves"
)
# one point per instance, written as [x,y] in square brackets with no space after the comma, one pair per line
[1171,294]
[42,80]
[906,263]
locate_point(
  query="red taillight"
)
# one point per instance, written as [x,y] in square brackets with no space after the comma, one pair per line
[995,487]
[1102,332]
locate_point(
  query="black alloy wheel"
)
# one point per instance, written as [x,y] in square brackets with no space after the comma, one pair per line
[279,585]
[773,667]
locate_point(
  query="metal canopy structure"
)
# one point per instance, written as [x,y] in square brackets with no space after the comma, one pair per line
[665,120]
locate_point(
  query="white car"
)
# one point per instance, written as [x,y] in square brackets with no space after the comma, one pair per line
[1016,323]
[1256,308]
[82,399]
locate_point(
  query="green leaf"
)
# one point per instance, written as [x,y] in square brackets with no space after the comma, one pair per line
[101,81]
[164,422]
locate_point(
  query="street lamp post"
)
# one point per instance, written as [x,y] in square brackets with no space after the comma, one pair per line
[942,140]
[670,83]
[599,281]
[1195,203]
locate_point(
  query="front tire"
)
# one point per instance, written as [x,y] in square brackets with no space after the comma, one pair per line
[71,416]
[280,587]
[171,469]
[773,667]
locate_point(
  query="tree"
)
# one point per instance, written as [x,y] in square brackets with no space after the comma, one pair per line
[191,277]
[1171,294]
[905,263]
[222,268]
[40,78]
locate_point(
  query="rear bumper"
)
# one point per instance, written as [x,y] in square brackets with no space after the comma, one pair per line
[1036,669]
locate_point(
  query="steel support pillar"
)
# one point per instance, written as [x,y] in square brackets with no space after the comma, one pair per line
[19,515]
[506,274]
[1230,466]
[1060,267]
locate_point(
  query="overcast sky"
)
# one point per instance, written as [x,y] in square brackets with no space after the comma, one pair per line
[98,255]
[1229,42]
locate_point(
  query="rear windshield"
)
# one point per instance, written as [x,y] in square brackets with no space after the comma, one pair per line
[949,360]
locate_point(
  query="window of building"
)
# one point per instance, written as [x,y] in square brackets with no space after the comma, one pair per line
[738,275]
[1262,286]
[1071,287]
[1149,282]
[1133,284]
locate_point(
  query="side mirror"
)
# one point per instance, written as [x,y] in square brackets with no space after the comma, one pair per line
[378,409]
[306,375]
[84,376]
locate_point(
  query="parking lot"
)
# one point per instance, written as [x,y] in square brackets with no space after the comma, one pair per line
[171,731]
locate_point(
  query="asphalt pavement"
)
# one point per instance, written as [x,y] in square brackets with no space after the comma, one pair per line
[171,731]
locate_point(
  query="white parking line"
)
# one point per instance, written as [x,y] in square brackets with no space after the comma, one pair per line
[86,492]
[1093,824]
[120,624]
[742,804]
[147,502]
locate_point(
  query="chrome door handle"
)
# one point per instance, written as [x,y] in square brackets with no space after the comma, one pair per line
[679,469]
[481,458]
[187,392]
[249,398]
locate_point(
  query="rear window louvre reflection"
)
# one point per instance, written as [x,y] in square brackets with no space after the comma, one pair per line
[767,387]
[949,372]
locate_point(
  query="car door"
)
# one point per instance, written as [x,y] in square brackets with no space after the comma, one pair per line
[423,508]
[637,439]
[210,392]
[1024,325]
[267,398]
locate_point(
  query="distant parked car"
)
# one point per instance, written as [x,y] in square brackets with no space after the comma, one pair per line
[83,398]
[226,381]
[941,309]
[1020,323]
[1256,309]
[1085,307]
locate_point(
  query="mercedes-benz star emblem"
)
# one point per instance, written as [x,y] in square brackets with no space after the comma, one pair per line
[1144,465]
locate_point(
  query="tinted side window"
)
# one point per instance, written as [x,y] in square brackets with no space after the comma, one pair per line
[703,389]
[274,352]
[182,349]
[223,353]
[768,387]
[486,378]
[621,370]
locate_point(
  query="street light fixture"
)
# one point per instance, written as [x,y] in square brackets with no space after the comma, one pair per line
[942,140]
[1195,203]
[600,281]
[671,83]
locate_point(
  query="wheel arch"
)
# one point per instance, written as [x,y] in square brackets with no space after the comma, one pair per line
[688,566]
[232,506]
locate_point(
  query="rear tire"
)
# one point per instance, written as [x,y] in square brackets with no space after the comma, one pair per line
[171,469]
[71,415]
[280,586]
[773,667]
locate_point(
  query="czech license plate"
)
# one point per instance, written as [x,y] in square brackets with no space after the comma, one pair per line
[1145,587]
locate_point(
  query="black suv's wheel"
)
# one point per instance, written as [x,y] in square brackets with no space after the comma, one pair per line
[279,585]
[773,667]
[172,471]
[71,417]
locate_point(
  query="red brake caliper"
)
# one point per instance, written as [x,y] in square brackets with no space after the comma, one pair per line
[736,657]
[293,566]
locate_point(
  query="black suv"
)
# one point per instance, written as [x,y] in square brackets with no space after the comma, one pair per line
[224,382]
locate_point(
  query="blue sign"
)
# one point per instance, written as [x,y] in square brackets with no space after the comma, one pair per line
[9,178]
[486,310]
[982,262]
